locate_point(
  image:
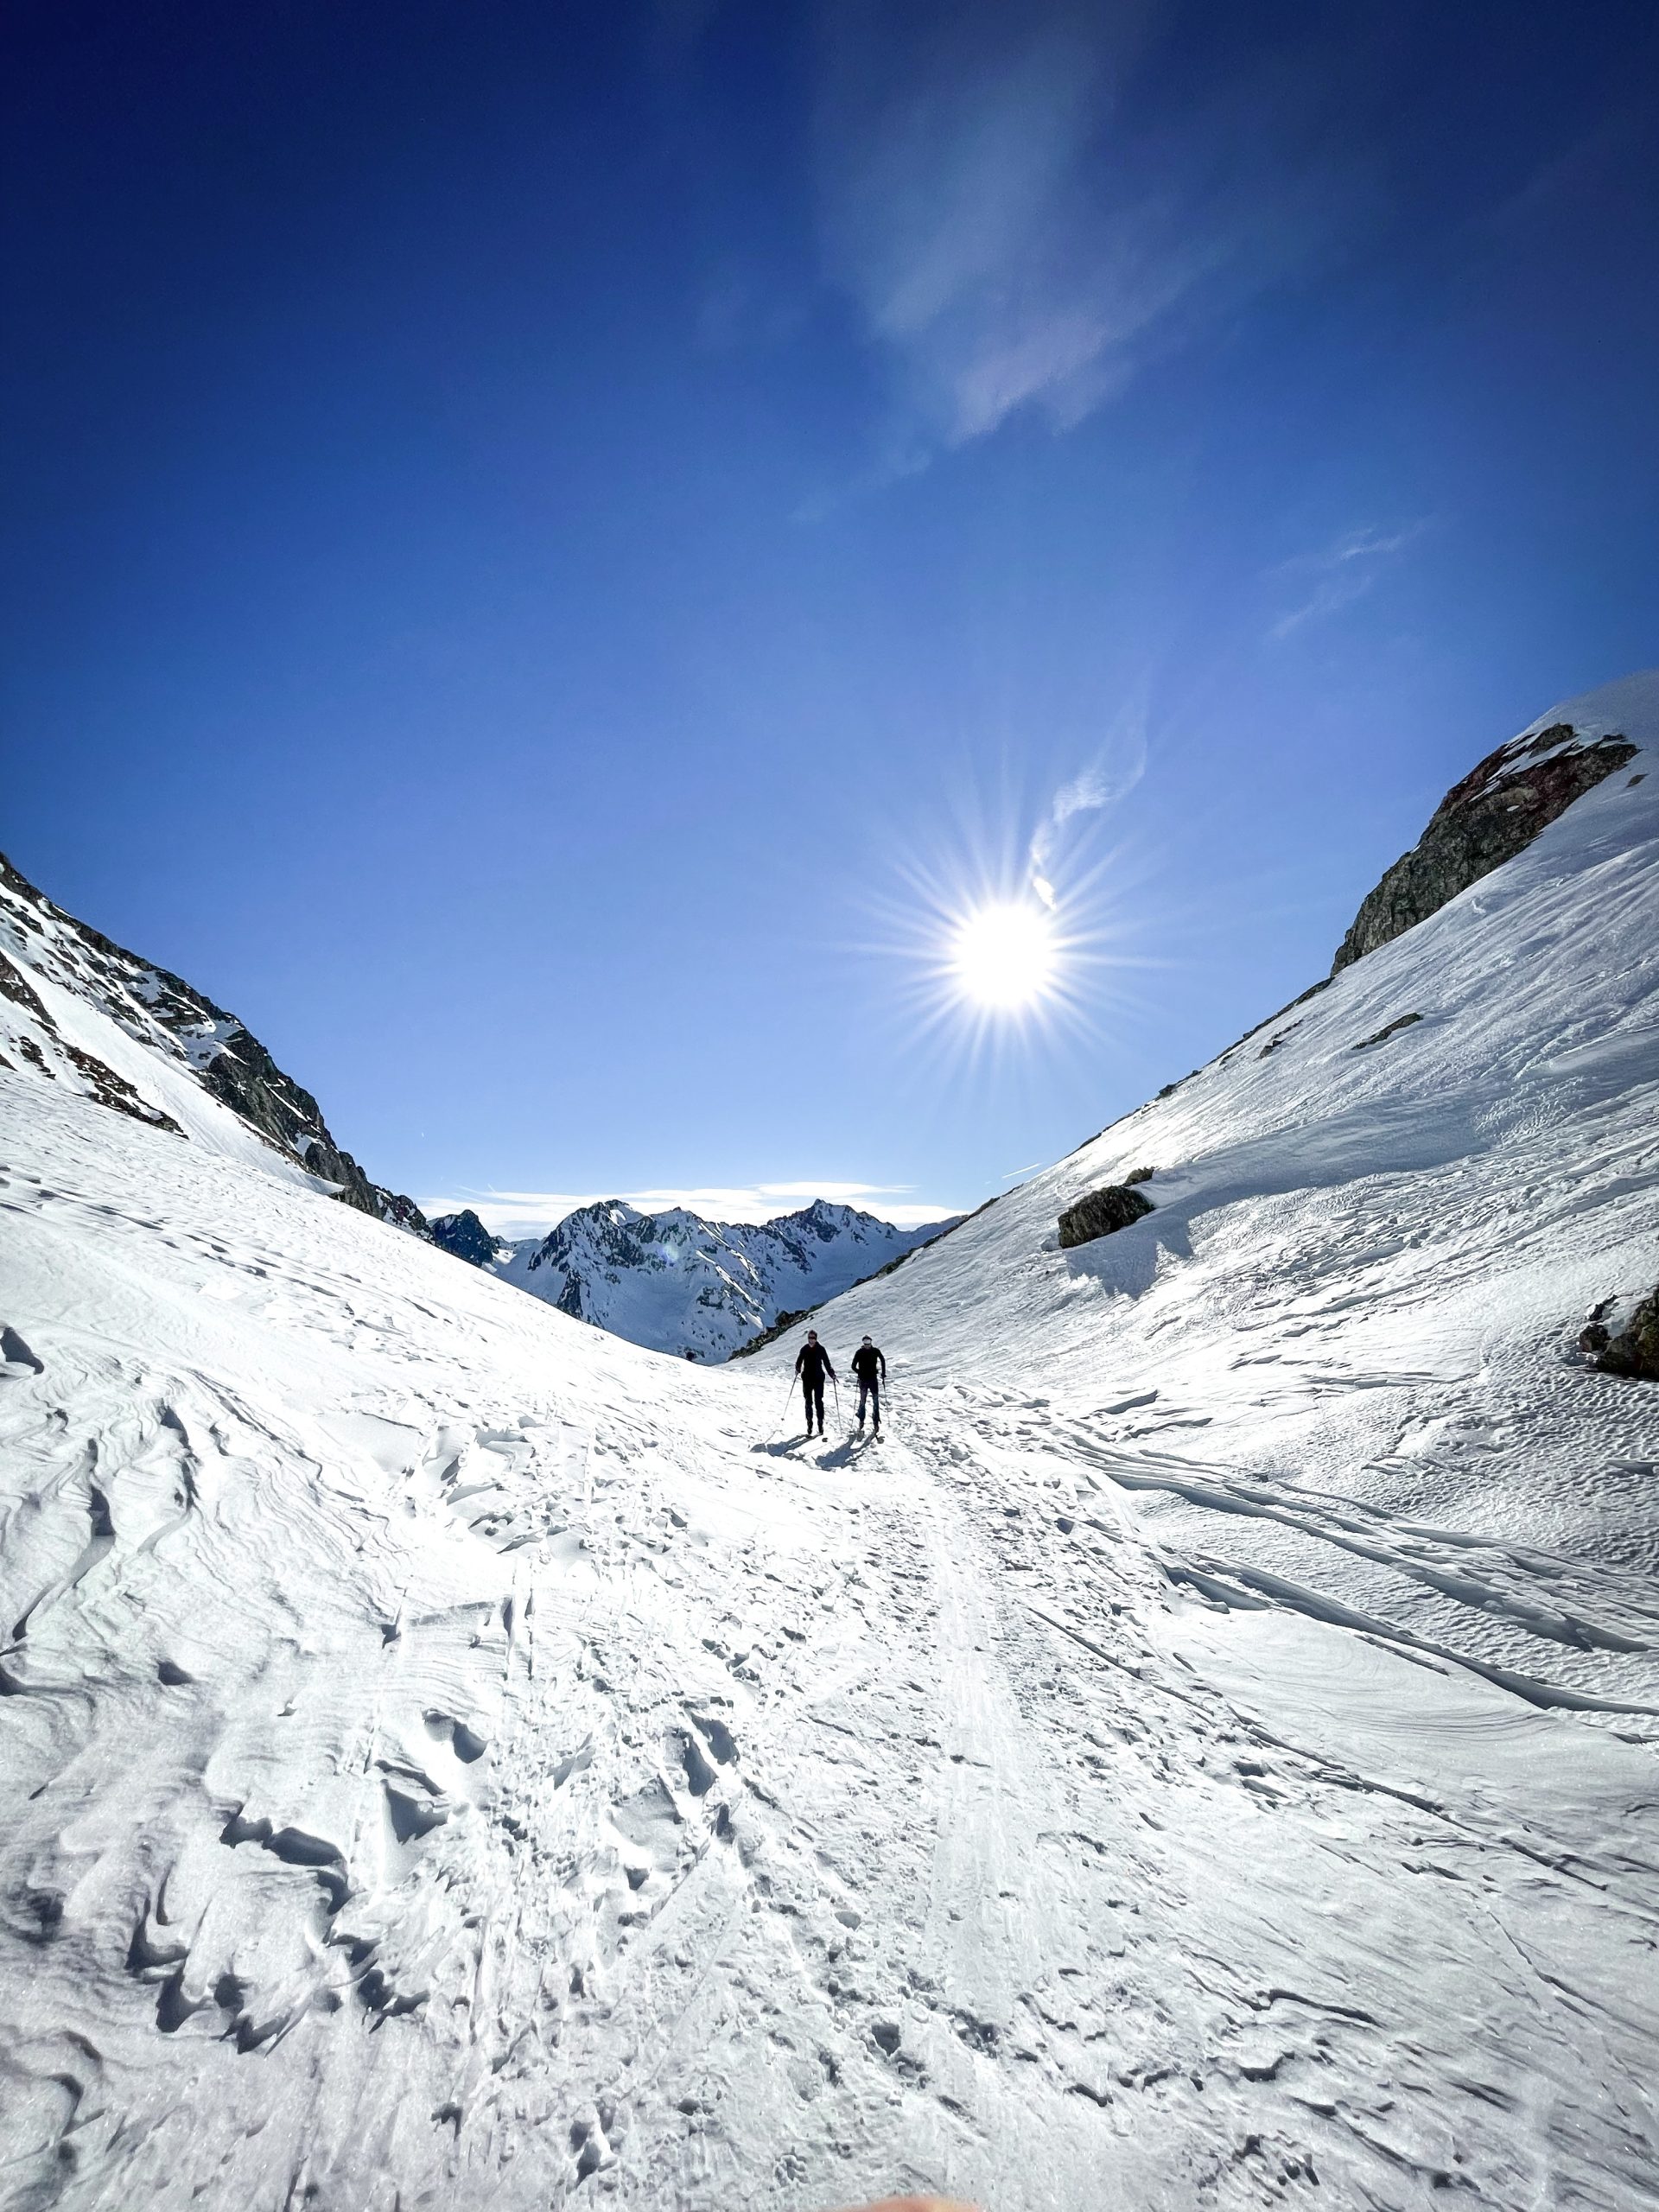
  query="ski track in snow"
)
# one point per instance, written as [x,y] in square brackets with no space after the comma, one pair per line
[1205,1754]
[422,1792]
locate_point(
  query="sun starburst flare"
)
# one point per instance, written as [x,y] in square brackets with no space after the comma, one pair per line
[1003,955]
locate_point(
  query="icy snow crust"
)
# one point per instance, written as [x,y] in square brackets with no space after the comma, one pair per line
[1209,1745]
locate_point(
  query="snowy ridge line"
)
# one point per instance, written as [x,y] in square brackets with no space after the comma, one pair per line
[678,1283]
[79,1011]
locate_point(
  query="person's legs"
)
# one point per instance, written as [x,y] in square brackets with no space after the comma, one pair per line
[815,1398]
[875,1401]
[863,1394]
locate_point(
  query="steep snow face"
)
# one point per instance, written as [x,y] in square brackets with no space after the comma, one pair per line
[78,1011]
[678,1283]
[1205,1755]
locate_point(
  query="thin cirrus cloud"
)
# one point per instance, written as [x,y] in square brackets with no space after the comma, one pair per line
[1342,572]
[1116,768]
[1017,226]
[532,1213]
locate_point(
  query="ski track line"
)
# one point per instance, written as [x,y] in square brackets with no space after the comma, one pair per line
[694,1820]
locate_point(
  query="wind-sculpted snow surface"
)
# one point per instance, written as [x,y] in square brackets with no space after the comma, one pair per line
[1205,1755]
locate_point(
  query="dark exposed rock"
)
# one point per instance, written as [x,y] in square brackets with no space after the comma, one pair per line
[1222,1059]
[1635,1350]
[1138,1175]
[18,988]
[780,1327]
[225,1057]
[1388,1029]
[16,1353]
[398,1208]
[1495,812]
[1595,1335]
[465,1235]
[1114,1205]
[108,1088]
[112,1089]
[243,1076]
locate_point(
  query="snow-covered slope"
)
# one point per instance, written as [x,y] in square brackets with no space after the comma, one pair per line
[1206,1755]
[1380,1220]
[678,1283]
[78,1011]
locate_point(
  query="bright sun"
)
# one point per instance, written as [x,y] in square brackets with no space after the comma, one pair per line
[1002,955]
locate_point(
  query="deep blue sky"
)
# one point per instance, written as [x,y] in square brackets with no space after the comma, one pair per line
[527,528]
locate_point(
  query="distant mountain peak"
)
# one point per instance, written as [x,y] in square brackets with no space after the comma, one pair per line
[678,1282]
[465,1235]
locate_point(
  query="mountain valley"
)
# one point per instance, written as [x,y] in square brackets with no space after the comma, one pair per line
[1207,1753]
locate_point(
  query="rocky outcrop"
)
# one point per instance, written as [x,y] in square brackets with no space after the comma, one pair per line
[398,1208]
[1388,1029]
[1494,813]
[1635,1350]
[465,1235]
[1114,1205]
[172,1019]
[243,1076]
[101,1083]
[780,1327]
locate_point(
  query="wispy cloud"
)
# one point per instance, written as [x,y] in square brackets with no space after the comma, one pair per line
[1015,224]
[532,1213]
[1341,573]
[1109,777]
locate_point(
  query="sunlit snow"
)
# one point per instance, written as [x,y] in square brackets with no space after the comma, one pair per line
[1205,1755]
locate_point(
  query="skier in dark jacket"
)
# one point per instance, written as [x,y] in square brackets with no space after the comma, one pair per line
[812,1364]
[869,1364]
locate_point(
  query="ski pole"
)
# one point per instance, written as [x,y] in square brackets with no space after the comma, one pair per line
[835,1387]
[783,1416]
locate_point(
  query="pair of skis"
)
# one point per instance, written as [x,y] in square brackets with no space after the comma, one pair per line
[854,1435]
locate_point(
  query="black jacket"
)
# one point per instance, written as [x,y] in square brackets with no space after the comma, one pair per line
[867,1360]
[812,1363]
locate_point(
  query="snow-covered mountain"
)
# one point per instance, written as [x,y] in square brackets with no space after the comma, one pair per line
[676,1282]
[1207,1754]
[98,1022]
